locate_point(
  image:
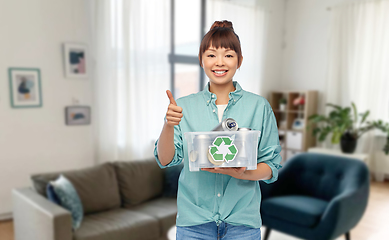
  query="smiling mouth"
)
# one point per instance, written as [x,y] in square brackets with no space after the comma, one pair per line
[220,73]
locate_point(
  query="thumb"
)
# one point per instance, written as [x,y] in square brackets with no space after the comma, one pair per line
[170,96]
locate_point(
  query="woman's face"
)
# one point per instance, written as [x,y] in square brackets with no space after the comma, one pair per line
[220,64]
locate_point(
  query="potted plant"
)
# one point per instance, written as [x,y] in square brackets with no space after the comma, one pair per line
[282,103]
[346,127]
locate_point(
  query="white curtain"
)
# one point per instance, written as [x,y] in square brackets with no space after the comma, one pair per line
[130,48]
[359,59]
[249,19]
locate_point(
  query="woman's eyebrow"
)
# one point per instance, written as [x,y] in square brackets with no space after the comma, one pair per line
[213,50]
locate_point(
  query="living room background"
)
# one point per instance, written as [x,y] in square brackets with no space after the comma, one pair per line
[37,140]
[34,140]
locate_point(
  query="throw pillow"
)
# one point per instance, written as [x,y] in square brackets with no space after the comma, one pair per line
[69,199]
[171,180]
[51,194]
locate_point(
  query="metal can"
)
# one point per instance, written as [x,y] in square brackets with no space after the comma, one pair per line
[241,142]
[227,124]
[201,143]
[244,129]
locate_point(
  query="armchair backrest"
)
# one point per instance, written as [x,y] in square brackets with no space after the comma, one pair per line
[321,175]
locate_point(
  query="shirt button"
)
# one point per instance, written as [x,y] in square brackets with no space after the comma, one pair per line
[208,101]
[234,100]
[213,110]
[218,195]
[213,96]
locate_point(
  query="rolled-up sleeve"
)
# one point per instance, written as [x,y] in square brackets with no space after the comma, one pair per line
[178,145]
[269,145]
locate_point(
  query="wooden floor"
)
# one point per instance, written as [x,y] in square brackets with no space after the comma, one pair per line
[373,226]
[6,230]
[375,222]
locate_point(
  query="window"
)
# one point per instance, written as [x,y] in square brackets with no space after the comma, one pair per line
[187,27]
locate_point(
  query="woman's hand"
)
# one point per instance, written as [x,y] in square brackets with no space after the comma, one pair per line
[165,146]
[236,172]
[174,112]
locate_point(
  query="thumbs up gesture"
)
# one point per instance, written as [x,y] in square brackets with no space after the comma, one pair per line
[174,112]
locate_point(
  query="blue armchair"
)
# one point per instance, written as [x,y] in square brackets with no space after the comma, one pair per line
[316,197]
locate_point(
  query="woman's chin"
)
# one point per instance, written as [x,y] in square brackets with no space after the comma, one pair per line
[220,81]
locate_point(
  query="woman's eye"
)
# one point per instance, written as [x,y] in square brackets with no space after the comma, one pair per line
[210,55]
[230,56]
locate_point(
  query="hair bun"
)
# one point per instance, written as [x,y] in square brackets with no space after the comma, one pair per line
[224,23]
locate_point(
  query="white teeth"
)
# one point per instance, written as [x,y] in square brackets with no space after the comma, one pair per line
[220,72]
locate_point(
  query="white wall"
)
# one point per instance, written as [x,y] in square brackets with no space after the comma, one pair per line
[272,74]
[305,56]
[37,140]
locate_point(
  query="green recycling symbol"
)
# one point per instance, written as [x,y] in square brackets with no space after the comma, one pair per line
[222,149]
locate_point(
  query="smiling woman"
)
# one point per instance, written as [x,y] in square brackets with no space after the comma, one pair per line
[220,56]
[220,65]
[221,37]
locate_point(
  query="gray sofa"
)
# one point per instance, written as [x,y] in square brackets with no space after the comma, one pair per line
[121,201]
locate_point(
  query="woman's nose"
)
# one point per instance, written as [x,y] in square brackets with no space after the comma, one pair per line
[219,62]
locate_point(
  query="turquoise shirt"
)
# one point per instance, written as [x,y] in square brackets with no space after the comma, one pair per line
[204,196]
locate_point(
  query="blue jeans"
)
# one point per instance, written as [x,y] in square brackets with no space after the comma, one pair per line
[225,231]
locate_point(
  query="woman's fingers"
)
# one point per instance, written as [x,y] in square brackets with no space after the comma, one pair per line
[174,112]
[175,108]
[173,119]
[170,96]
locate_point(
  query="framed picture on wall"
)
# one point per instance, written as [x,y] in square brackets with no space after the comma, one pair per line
[77,115]
[25,87]
[75,58]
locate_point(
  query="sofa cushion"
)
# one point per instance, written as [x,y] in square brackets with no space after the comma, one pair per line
[118,224]
[163,209]
[69,199]
[139,181]
[300,210]
[51,194]
[97,186]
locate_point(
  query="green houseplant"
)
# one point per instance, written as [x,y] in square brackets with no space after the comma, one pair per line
[346,126]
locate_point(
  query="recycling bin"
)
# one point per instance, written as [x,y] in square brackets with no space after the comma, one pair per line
[222,149]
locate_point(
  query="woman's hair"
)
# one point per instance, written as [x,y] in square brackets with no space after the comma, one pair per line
[222,35]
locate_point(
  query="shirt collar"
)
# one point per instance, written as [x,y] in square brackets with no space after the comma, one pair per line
[235,95]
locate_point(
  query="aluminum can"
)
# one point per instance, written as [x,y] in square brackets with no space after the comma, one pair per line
[244,129]
[201,143]
[227,124]
[241,142]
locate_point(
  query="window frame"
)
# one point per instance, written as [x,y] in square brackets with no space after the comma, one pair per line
[184,59]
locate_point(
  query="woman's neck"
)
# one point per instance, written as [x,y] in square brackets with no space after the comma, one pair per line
[222,92]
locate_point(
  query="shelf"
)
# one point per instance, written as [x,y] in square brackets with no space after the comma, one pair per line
[296,111]
[295,130]
[288,111]
[288,130]
[287,117]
